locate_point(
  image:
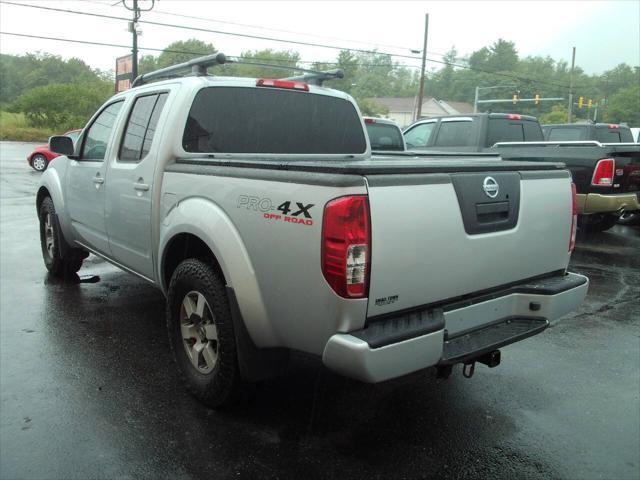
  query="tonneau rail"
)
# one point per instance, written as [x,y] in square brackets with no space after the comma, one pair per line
[376,165]
[562,143]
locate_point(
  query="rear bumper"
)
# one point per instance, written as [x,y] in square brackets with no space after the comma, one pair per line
[599,203]
[455,332]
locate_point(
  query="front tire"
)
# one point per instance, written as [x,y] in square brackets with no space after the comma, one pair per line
[597,222]
[39,162]
[61,263]
[201,333]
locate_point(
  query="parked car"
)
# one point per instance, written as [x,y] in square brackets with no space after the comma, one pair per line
[384,134]
[471,133]
[601,132]
[257,208]
[607,176]
[41,156]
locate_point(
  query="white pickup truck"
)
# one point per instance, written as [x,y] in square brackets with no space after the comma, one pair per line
[255,205]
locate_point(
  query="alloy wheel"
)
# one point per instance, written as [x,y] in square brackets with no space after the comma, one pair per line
[199,332]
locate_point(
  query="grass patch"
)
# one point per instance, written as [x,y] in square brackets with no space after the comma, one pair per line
[14,126]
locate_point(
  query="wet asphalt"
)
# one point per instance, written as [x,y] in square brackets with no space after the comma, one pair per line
[88,388]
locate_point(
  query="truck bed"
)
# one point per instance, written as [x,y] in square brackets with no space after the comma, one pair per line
[430,214]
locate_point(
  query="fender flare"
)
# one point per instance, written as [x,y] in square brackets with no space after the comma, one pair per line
[207,221]
[51,180]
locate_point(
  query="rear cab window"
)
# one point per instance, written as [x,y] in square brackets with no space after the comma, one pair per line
[608,135]
[384,136]
[456,133]
[271,121]
[510,130]
[566,134]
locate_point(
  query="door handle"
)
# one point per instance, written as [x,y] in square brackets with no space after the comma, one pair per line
[98,180]
[141,186]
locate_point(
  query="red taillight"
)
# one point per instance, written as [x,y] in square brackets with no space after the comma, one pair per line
[369,120]
[613,125]
[514,116]
[603,174]
[271,82]
[574,218]
[346,245]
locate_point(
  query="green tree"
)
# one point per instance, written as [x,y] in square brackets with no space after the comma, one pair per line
[371,109]
[624,106]
[285,58]
[21,73]
[183,51]
[558,114]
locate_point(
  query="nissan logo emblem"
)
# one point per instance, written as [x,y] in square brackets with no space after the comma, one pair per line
[490,187]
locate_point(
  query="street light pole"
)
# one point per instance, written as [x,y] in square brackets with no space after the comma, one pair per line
[424,60]
[570,109]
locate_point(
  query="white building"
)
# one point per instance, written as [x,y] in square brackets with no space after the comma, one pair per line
[403,110]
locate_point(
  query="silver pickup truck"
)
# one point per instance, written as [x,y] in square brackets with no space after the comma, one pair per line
[255,205]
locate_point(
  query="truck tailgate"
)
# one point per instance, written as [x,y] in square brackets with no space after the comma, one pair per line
[440,236]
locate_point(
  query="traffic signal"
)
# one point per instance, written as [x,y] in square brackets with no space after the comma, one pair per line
[536,99]
[589,103]
[580,102]
[515,98]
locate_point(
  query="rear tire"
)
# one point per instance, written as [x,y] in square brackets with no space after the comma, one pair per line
[201,333]
[61,262]
[597,222]
[39,162]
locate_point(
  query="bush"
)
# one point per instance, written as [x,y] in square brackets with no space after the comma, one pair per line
[62,106]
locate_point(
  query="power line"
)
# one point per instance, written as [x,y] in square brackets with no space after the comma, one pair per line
[296,42]
[259,27]
[151,49]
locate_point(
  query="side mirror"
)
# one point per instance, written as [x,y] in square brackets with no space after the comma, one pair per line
[61,144]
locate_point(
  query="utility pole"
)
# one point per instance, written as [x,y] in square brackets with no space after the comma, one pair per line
[133,28]
[134,50]
[424,60]
[573,63]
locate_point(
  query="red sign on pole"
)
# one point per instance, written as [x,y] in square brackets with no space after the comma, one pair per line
[124,73]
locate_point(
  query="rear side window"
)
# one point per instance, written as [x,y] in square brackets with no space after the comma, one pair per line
[384,136]
[532,131]
[141,127]
[565,134]
[606,135]
[268,120]
[455,134]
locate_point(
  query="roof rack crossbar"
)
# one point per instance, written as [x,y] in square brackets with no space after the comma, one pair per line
[317,78]
[197,66]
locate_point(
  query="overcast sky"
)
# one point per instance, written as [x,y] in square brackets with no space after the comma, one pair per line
[605,33]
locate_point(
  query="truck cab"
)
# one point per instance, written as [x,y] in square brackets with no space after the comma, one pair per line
[600,132]
[471,133]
